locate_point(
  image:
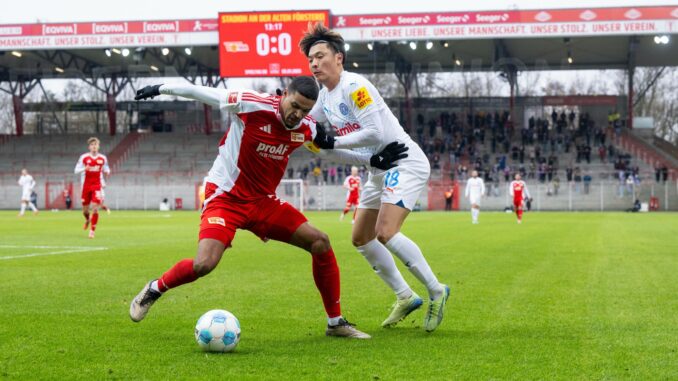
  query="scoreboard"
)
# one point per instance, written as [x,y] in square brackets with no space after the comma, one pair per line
[265,44]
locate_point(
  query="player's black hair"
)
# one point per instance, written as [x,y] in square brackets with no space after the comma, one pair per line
[305,86]
[317,34]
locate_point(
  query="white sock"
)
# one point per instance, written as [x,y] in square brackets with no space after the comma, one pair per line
[383,264]
[412,257]
[23,209]
[334,320]
[33,208]
[475,212]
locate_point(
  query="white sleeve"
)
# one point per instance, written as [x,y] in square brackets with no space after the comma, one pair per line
[527,192]
[317,112]
[371,133]
[482,187]
[511,189]
[79,166]
[467,190]
[214,97]
[346,156]
[32,182]
[346,182]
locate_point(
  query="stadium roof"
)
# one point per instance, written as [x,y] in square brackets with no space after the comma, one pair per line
[592,38]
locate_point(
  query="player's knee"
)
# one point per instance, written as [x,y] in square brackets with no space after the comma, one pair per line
[384,234]
[320,243]
[204,266]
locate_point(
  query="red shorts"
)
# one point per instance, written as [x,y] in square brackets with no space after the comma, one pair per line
[352,200]
[268,218]
[91,195]
[518,203]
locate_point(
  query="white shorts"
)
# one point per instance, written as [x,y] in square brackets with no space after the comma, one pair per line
[26,195]
[475,200]
[400,185]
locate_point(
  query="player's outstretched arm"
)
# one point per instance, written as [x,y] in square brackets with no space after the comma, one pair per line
[370,134]
[209,95]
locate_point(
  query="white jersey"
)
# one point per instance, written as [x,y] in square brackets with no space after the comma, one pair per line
[475,188]
[27,183]
[361,119]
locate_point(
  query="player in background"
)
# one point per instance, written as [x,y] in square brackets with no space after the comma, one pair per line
[518,190]
[91,167]
[27,184]
[353,184]
[364,123]
[265,129]
[475,189]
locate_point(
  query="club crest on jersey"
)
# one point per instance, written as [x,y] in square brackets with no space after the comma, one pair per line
[232,98]
[343,108]
[362,98]
[216,221]
[297,137]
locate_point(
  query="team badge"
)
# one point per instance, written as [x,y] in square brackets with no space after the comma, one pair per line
[297,137]
[232,98]
[216,221]
[343,108]
[362,98]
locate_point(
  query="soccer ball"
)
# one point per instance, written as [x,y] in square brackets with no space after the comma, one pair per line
[217,331]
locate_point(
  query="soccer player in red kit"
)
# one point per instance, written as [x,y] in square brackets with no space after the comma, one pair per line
[240,190]
[352,183]
[91,166]
[518,189]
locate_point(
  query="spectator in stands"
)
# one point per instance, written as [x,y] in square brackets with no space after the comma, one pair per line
[449,195]
[333,173]
[629,184]
[601,153]
[587,182]
[577,180]
[657,174]
[665,173]
[68,199]
[568,174]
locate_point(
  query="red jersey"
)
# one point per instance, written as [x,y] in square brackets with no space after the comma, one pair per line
[518,189]
[353,185]
[91,169]
[254,152]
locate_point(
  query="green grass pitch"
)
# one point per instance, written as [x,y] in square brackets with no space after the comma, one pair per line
[564,296]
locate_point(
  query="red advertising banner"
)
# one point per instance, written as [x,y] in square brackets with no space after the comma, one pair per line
[264,44]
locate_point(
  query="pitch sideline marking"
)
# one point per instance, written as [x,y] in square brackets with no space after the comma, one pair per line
[71,250]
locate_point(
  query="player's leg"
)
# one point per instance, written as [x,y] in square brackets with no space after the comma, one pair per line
[280,221]
[347,208]
[185,271]
[86,200]
[377,255]
[406,184]
[22,209]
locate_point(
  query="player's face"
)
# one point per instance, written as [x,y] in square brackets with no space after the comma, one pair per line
[324,63]
[517,177]
[294,108]
[354,171]
[94,147]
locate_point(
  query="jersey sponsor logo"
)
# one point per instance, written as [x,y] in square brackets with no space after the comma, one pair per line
[297,137]
[266,128]
[343,108]
[216,221]
[347,129]
[272,151]
[362,98]
[232,98]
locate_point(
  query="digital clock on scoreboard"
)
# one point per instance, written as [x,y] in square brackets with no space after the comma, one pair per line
[265,44]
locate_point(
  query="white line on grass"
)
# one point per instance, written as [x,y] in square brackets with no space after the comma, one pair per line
[70,250]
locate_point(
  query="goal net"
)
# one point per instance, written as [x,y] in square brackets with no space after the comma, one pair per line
[292,191]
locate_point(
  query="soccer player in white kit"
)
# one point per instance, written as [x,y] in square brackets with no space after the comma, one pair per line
[359,116]
[475,189]
[27,184]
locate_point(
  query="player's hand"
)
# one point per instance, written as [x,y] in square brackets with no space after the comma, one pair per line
[386,159]
[148,92]
[322,140]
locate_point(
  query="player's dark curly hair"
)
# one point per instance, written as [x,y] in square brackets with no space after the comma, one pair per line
[305,86]
[317,34]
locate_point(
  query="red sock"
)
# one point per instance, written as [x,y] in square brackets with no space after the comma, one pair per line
[519,212]
[346,210]
[326,276]
[179,274]
[95,219]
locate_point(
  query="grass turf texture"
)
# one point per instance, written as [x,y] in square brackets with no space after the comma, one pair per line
[562,296]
